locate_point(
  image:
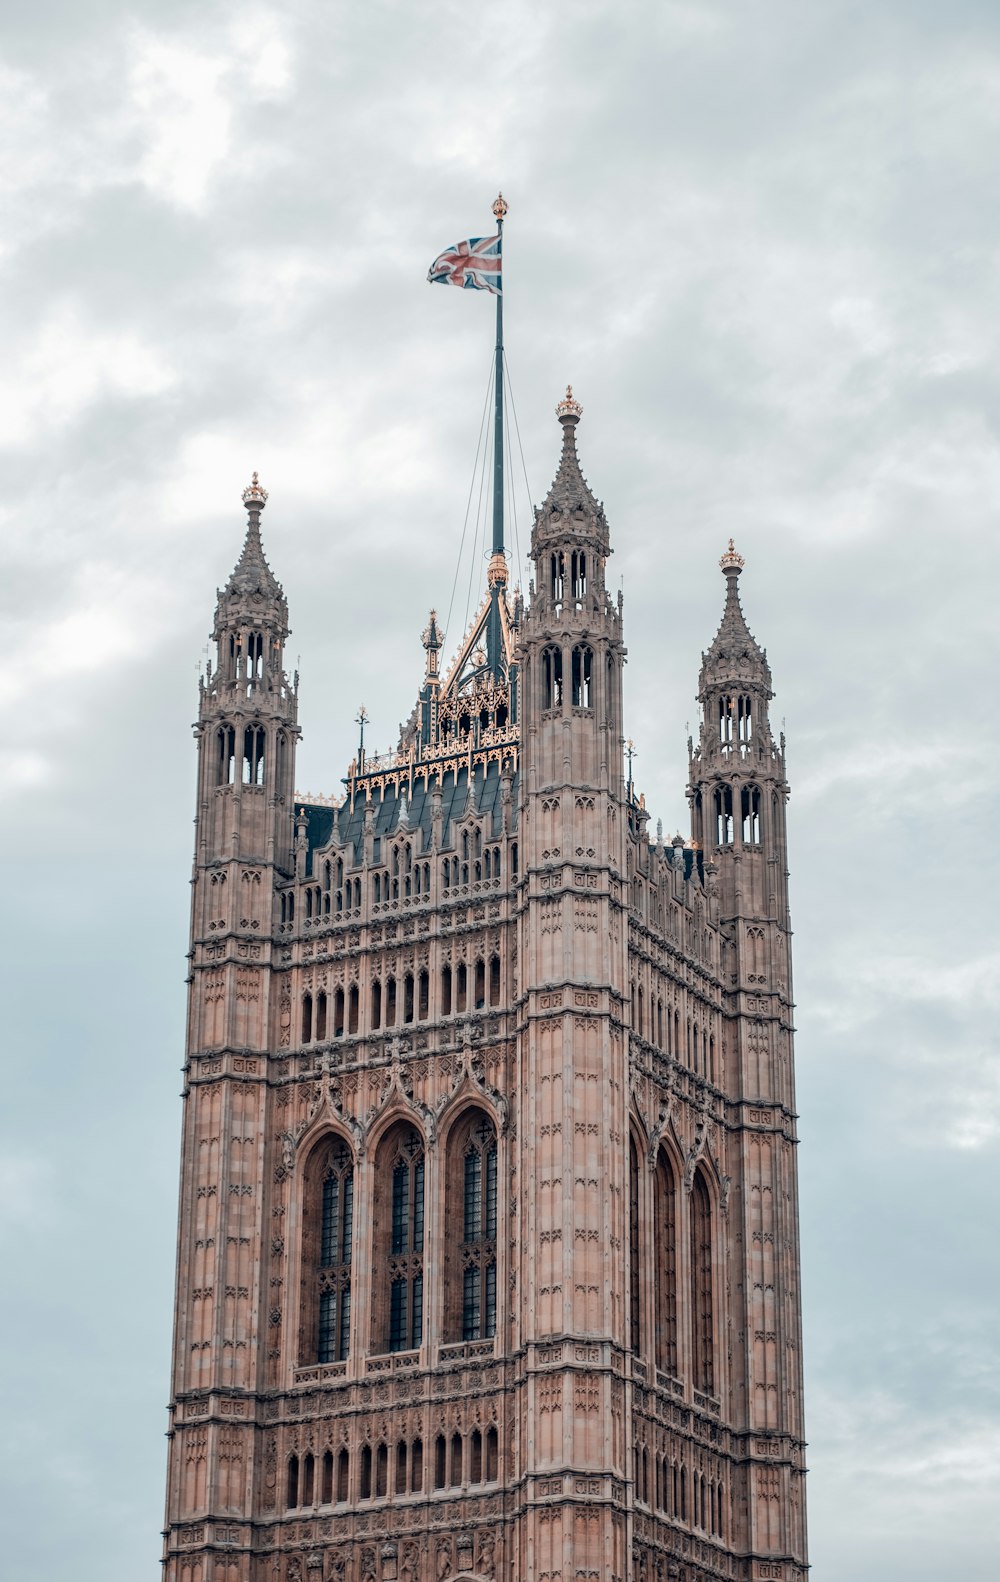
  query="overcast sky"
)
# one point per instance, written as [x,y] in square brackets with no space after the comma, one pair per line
[762,241]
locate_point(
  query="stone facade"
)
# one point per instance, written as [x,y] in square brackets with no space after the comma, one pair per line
[488,1247]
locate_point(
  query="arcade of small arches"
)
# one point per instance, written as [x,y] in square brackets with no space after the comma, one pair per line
[461,1174]
[405,877]
[736,722]
[728,801]
[384,1470]
[401,1001]
[664,1484]
[688,1042]
[248,766]
[567,578]
[581,674]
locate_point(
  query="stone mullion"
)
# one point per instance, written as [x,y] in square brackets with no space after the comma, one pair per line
[433,1266]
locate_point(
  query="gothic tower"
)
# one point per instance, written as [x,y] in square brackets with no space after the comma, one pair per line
[488,1259]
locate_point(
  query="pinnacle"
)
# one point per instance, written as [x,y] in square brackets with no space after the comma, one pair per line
[570,490]
[252,574]
[735,653]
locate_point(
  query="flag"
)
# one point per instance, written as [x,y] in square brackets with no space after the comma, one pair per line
[474,265]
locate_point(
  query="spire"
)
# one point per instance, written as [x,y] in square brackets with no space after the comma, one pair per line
[570,503]
[252,575]
[735,657]
[570,489]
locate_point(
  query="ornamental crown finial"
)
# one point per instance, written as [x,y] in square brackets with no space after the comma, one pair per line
[500,207]
[569,407]
[255,494]
[731,561]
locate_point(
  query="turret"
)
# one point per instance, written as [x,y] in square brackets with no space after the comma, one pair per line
[570,647]
[738,791]
[247,723]
[737,771]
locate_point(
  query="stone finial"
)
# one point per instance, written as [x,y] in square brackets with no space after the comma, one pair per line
[731,561]
[255,495]
[569,409]
[432,637]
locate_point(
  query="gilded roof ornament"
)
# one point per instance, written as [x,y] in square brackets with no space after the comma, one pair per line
[500,207]
[731,561]
[569,406]
[255,494]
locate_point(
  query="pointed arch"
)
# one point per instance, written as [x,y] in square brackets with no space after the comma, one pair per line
[702,1294]
[398,1246]
[665,1230]
[471,1204]
[635,1249]
[327,1244]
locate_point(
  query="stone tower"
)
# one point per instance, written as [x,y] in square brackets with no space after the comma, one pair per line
[488,1253]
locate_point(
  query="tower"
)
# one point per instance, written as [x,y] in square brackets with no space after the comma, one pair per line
[246,734]
[738,794]
[488,1260]
[571,1075]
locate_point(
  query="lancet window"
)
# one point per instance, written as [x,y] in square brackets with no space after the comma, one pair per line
[635,1265]
[750,815]
[399,1241]
[226,740]
[557,577]
[253,756]
[552,679]
[723,798]
[702,1316]
[665,1229]
[583,677]
[328,1234]
[472,1202]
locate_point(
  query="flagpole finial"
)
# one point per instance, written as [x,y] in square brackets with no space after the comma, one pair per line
[500,207]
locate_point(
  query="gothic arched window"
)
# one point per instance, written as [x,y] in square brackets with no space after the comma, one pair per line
[557,576]
[750,815]
[328,1234]
[399,1242]
[635,1287]
[552,678]
[702,1318]
[724,815]
[253,756]
[744,710]
[727,711]
[583,677]
[665,1221]
[472,1202]
[227,755]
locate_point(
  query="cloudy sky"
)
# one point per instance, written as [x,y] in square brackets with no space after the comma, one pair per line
[762,241]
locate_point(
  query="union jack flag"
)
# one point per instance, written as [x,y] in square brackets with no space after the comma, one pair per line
[474,265]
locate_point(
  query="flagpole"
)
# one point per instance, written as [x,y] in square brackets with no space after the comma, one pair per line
[493,633]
